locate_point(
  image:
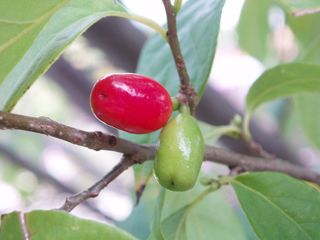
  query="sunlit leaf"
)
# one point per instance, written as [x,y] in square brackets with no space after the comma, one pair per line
[33,35]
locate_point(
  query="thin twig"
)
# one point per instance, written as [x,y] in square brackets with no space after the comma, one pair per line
[186,88]
[93,191]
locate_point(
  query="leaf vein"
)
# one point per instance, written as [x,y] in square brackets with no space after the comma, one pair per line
[273,205]
[31,27]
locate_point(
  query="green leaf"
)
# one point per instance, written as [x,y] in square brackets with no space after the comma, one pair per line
[212,218]
[174,226]
[48,225]
[312,53]
[10,227]
[295,6]
[145,211]
[156,233]
[33,35]
[212,133]
[198,26]
[253,28]
[306,32]
[304,28]
[139,228]
[281,81]
[278,206]
[306,108]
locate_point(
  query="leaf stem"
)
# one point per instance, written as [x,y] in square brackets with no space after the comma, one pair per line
[175,103]
[146,21]
[177,6]
[245,128]
[229,130]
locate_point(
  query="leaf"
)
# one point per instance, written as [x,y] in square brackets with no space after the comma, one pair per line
[156,233]
[145,211]
[212,133]
[212,218]
[306,108]
[306,32]
[10,228]
[138,223]
[304,28]
[278,206]
[47,225]
[198,26]
[296,6]
[281,81]
[253,28]
[33,35]
[174,226]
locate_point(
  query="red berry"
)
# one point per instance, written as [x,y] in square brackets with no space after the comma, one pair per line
[131,102]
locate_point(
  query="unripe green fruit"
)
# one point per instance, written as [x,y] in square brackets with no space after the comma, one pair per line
[179,157]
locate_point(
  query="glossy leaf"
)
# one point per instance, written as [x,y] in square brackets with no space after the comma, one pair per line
[33,35]
[295,6]
[278,206]
[253,28]
[212,218]
[282,81]
[47,225]
[198,26]
[10,227]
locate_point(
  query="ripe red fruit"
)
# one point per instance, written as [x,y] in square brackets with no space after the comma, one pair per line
[131,102]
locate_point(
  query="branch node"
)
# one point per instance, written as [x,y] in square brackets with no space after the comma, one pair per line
[112,140]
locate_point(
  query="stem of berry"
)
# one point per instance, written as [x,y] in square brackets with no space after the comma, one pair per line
[185,86]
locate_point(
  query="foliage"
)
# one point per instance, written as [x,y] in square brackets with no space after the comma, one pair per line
[45,225]
[34,34]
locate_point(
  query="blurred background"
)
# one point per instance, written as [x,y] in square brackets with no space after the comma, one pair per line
[39,172]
